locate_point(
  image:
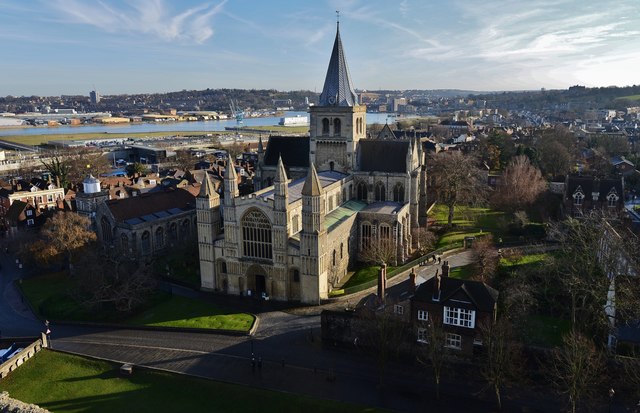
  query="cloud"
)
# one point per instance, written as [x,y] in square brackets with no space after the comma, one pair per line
[149,17]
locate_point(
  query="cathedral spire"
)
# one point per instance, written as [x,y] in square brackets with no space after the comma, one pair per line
[281,173]
[312,186]
[206,188]
[337,89]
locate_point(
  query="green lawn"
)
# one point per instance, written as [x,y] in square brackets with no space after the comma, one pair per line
[182,266]
[545,331]
[176,311]
[464,273]
[79,135]
[50,296]
[280,128]
[64,383]
[524,260]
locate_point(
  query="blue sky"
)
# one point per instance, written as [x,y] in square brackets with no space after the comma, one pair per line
[53,47]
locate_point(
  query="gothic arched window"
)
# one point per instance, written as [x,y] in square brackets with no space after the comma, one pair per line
[159,238]
[325,126]
[337,127]
[362,194]
[380,192]
[398,193]
[106,230]
[124,243]
[146,243]
[256,235]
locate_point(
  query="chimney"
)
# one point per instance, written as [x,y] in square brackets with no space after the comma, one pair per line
[382,282]
[436,287]
[445,269]
[412,281]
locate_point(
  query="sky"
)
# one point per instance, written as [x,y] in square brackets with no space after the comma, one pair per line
[55,47]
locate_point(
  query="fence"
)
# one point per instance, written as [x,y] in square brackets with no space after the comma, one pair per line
[28,352]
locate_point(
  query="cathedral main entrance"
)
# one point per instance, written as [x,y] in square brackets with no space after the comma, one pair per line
[257,281]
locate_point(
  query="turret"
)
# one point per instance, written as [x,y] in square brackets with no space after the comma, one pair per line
[230,184]
[208,218]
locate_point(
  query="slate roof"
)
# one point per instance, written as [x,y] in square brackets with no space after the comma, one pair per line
[337,90]
[294,151]
[589,184]
[383,155]
[151,204]
[384,207]
[326,178]
[14,211]
[480,294]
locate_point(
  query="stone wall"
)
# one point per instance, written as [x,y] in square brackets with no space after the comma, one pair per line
[28,352]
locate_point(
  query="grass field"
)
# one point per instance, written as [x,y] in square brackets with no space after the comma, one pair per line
[64,383]
[280,129]
[176,311]
[40,139]
[50,296]
[630,97]
[464,273]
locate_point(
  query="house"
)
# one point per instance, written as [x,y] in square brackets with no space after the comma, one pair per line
[587,193]
[461,305]
[23,215]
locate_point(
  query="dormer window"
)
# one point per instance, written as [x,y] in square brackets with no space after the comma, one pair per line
[612,200]
[578,197]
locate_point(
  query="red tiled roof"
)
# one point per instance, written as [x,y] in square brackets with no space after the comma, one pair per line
[149,203]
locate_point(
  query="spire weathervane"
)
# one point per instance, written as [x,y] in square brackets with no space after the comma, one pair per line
[338,17]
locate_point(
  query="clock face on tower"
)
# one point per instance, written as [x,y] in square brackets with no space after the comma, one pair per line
[332,100]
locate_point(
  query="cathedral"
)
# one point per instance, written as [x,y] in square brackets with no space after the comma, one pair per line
[320,201]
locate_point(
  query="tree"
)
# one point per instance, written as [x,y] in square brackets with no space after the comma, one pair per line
[456,180]
[499,360]
[433,352]
[378,251]
[520,185]
[485,258]
[59,167]
[423,240]
[184,160]
[383,335]
[136,169]
[104,277]
[555,159]
[64,234]
[576,368]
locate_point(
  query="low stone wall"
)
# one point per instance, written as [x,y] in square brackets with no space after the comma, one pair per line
[28,352]
[9,405]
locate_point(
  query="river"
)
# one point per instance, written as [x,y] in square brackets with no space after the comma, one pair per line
[199,126]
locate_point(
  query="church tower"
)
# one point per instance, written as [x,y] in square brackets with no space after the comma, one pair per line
[208,216]
[313,280]
[229,207]
[338,121]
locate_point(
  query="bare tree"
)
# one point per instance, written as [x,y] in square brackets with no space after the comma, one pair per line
[383,336]
[500,357]
[457,180]
[486,258]
[59,167]
[184,160]
[520,185]
[107,278]
[576,368]
[61,237]
[555,158]
[433,353]
[378,251]
[423,240]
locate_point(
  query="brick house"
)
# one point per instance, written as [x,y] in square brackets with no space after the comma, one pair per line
[586,193]
[462,305]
